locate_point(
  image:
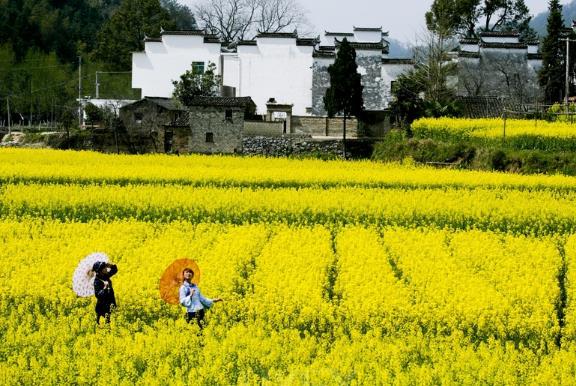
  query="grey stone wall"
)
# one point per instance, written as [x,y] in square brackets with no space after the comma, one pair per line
[374,88]
[373,92]
[146,135]
[320,83]
[227,134]
[291,145]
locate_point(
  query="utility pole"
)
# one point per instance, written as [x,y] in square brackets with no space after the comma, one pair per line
[8,109]
[106,72]
[97,86]
[567,83]
[80,110]
[567,78]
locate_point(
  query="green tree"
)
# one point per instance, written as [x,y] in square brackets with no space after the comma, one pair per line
[551,76]
[408,104]
[125,31]
[194,83]
[52,26]
[344,96]
[519,21]
[180,14]
[463,17]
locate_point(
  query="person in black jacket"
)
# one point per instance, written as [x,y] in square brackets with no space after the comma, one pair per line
[103,289]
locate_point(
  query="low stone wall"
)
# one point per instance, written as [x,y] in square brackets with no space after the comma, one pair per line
[331,127]
[291,145]
[263,129]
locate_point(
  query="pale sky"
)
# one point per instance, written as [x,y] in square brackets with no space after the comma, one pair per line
[404,19]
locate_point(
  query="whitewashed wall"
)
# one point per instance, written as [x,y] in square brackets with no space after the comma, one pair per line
[276,68]
[469,47]
[162,62]
[391,72]
[368,36]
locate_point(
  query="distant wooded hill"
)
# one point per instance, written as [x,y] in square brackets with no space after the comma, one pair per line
[399,49]
[540,20]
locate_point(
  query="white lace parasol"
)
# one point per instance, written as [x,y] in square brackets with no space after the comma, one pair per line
[83,279]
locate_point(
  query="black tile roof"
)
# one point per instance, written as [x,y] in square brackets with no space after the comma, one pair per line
[306,42]
[282,35]
[469,41]
[503,34]
[519,46]
[222,101]
[166,103]
[326,33]
[192,32]
[152,40]
[377,29]
[398,61]
[365,46]
[329,53]
[247,43]
[467,54]
[480,106]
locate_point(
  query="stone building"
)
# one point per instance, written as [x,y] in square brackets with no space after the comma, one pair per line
[145,122]
[282,66]
[377,70]
[216,125]
[497,64]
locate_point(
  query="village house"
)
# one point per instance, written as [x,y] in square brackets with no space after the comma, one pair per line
[208,125]
[282,66]
[498,64]
[145,121]
[216,125]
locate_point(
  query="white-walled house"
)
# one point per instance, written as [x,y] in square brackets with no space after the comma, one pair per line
[498,64]
[168,57]
[282,66]
[276,66]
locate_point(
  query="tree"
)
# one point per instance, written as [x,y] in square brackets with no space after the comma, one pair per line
[194,83]
[407,104]
[235,20]
[344,96]
[125,31]
[180,14]
[551,75]
[519,21]
[463,17]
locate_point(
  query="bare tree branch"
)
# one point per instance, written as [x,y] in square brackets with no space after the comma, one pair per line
[235,20]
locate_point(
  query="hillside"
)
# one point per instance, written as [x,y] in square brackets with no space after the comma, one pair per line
[539,21]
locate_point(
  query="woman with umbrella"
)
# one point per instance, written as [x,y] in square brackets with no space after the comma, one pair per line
[106,301]
[191,298]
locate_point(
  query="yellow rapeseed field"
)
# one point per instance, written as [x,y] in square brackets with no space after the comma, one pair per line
[494,127]
[331,272]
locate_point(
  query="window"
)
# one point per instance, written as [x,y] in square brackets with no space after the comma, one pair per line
[228,116]
[209,137]
[197,68]
[138,117]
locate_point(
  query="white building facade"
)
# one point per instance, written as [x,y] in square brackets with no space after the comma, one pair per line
[498,64]
[279,66]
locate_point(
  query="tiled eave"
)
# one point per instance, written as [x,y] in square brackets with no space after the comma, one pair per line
[516,46]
